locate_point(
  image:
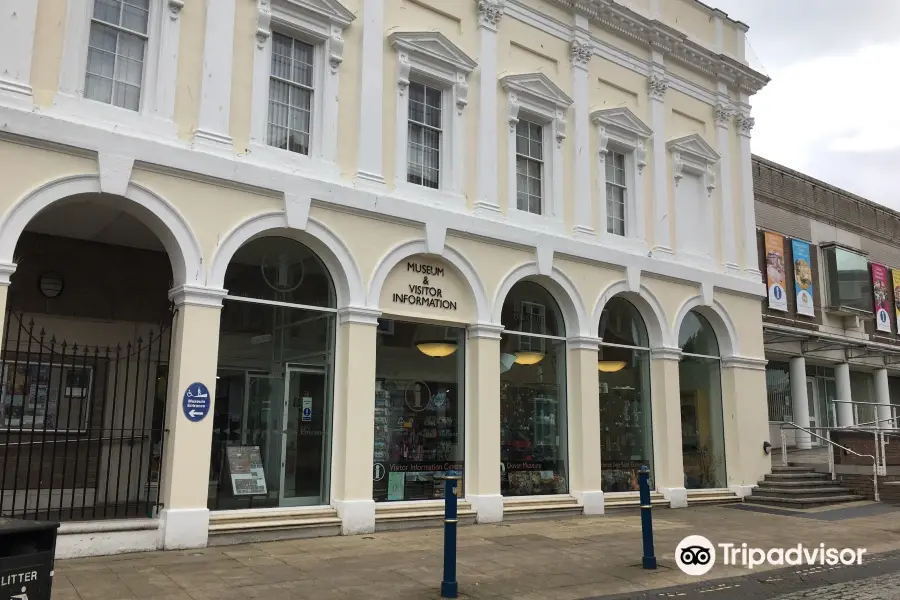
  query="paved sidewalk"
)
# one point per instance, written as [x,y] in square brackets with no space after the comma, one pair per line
[565,559]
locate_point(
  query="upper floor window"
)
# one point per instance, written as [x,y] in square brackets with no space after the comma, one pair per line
[424,139]
[537,128]
[116,49]
[616,193]
[298,51]
[848,281]
[432,93]
[621,135]
[529,166]
[290,94]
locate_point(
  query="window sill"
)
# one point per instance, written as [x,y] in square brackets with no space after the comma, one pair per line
[426,195]
[625,244]
[284,160]
[522,218]
[107,116]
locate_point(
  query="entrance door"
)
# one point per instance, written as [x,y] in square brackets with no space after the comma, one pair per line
[812,399]
[263,424]
[306,437]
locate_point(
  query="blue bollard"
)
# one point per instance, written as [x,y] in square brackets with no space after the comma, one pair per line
[646,520]
[449,585]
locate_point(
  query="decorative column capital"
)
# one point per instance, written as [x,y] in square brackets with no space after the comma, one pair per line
[665,353]
[195,295]
[657,84]
[744,123]
[581,53]
[489,331]
[591,344]
[489,13]
[263,22]
[175,7]
[6,271]
[724,114]
[358,315]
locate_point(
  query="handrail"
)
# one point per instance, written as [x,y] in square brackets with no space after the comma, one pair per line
[832,446]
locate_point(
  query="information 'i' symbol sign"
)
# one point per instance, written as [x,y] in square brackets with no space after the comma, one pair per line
[378,472]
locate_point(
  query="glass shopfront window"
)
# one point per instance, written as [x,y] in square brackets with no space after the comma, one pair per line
[702,424]
[419,409]
[623,362]
[272,414]
[533,444]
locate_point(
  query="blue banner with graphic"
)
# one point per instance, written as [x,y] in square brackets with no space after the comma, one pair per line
[803,279]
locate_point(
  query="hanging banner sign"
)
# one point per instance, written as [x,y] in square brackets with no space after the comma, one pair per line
[775,271]
[895,274]
[803,280]
[879,292]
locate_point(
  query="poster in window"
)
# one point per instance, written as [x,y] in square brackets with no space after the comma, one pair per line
[880,295]
[246,469]
[775,271]
[803,279]
[895,275]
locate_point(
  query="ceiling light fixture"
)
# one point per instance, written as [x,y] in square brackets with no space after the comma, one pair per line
[438,349]
[611,366]
[524,357]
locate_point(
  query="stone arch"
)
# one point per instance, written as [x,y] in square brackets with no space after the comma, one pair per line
[647,304]
[321,240]
[719,319]
[152,210]
[560,287]
[462,265]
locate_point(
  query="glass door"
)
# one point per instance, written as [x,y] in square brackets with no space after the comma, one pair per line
[306,437]
[263,425]
[815,419]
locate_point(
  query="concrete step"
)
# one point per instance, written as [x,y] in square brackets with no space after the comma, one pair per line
[633,501]
[713,496]
[814,502]
[811,492]
[796,476]
[797,483]
[394,517]
[249,526]
[534,507]
[791,469]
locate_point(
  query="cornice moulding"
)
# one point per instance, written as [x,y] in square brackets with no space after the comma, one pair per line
[671,42]
[435,46]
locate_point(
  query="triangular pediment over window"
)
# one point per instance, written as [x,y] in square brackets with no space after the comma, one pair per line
[537,85]
[434,46]
[330,10]
[622,120]
[694,146]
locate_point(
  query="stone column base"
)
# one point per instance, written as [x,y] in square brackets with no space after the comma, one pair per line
[489,507]
[182,528]
[741,491]
[357,516]
[592,502]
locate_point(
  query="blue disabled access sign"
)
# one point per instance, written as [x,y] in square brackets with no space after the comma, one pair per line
[196,402]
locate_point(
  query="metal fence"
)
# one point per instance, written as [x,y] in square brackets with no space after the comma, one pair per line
[81,427]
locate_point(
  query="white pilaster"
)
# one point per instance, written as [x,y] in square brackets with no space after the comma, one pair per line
[842,383]
[658,84]
[800,402]
[215,92]
[724,114]
[17,24]
[369,166]
[582,51]
[489,14]
[883,398]
[744,124]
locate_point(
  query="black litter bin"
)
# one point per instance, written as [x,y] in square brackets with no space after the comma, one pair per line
[26,559]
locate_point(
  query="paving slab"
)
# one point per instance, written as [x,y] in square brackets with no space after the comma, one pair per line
[553,559]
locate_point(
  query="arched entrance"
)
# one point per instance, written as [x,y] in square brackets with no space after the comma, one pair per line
[623,364]
[702,421]
[533,442]
[273,412]
[84,367]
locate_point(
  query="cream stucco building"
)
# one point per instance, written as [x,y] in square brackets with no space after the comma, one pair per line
[394,239]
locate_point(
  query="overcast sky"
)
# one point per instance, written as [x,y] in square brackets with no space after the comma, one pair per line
[832,109]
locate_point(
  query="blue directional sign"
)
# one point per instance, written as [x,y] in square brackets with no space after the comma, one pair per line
[196,402]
